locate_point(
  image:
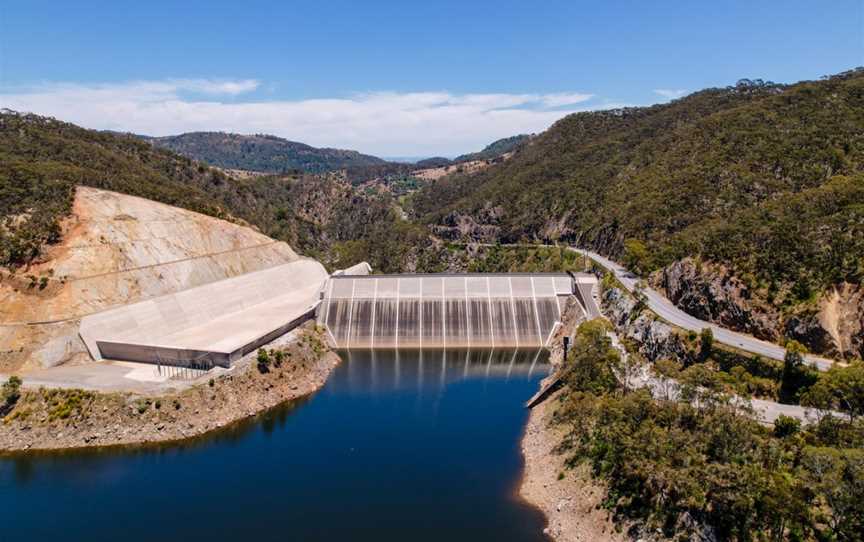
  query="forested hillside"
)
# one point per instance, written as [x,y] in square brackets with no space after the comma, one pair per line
[266,153]
[42,159]
[745,203]
[758,185]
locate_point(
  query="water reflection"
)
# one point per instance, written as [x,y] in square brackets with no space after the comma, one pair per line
[373,371]
[420,446]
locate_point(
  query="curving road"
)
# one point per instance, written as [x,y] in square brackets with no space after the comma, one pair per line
[763,411]
[666,310]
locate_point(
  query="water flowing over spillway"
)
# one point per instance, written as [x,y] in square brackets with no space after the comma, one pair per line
[444,311]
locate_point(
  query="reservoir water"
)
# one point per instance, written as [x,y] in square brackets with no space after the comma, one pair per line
[396,446]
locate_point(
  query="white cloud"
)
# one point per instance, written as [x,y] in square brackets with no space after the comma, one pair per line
[557,100]
[382,123]
[670,94]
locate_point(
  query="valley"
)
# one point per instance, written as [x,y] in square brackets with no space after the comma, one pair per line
[701,260]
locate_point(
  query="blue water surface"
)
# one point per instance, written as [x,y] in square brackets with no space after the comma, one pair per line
[396,446]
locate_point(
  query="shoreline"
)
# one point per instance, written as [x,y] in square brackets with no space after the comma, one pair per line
[49,420]
[571,505]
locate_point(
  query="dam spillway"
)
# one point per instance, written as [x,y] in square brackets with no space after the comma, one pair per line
[445,311]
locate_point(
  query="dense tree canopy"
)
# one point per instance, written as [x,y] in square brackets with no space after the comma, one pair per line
[766,179]
[665,461]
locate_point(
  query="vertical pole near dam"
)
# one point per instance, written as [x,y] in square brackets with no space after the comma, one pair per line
[536,313]
[398,283]
[513,310]
[491,326]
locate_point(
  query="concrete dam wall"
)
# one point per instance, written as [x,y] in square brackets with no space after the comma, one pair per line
[214,323]
[445,311]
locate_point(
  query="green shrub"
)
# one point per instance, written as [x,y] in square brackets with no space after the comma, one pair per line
[263,361]
[142,405]
[706,343]
[11,391]
[664,460]
[841,388]
[784,426]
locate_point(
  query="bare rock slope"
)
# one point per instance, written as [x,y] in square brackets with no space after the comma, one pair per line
[832,324]
[117,249]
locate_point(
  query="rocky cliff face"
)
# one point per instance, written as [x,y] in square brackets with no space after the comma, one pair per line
[834,326]
[842,314]
[712,293]
[483,228]
[656,339]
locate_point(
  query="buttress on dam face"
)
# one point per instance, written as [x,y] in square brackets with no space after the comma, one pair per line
[447,311]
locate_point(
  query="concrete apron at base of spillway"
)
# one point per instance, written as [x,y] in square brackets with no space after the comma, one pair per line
[448,311]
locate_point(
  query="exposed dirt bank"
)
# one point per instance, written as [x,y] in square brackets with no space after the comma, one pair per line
[46,419]
[117,249]
[572,503]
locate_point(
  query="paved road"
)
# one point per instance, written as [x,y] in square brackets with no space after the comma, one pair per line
[763,411]
[666,310]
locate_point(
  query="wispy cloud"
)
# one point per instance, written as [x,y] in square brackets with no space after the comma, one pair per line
[386,123]
[670,94]
[557,100]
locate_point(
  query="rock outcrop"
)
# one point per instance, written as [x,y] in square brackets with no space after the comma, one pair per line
[482,228]
[835,326]
[712,293]
[655,339]
[842,315]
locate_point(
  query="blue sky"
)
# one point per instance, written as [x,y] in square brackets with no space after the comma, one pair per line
[398,78]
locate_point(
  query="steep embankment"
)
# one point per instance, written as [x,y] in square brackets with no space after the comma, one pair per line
[117,249]
[745,203]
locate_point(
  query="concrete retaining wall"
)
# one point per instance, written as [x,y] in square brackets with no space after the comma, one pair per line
[221,320]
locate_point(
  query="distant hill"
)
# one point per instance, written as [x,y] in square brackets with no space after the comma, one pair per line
[435,161]
[745,203]
[265,153]
[43,159]
[495,149]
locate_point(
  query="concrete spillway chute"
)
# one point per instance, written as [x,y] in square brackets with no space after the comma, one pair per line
[447,310]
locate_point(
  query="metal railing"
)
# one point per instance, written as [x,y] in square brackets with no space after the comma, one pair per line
[183,368]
